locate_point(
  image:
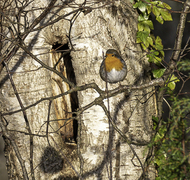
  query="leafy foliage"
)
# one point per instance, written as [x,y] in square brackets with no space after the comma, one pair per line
[171,139]
[151,44]
[170,142]
[184,65]
[171,82]
[147,40]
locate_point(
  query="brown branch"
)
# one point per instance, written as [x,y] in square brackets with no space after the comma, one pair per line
[180,30]
[26,133]
[48,116]
[175,56]
[103,94]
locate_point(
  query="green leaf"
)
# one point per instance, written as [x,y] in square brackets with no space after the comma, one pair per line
[155,11]
[171,85]
[160,19]
[142,35]
[140,26]
[184,65]
[158,178]
[150,40]
[143,46]
[158,43]
[136,5]
[145,26]
[160,4]
[156,53]
[162,53]
[157,60]
[149,23]
[141,18]
[163,5]
[172,82]
[157,73]
[167,6]
[154,3]
[160,10]
[140,5]
[138,40]
[153,58]
[174,78]
[155,118]
[148,8]
[166,15]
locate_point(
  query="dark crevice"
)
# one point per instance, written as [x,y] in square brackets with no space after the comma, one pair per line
[64,49]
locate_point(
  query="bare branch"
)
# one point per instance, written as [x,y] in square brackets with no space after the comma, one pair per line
[180,31]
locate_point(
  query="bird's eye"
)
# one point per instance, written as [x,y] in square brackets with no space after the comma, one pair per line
[113,55]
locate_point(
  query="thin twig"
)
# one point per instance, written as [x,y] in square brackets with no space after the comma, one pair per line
[48,116]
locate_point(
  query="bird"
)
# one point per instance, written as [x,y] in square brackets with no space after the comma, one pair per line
[113,68]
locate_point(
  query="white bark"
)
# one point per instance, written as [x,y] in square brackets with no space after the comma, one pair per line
[93,34]
[32,84]
[103,28]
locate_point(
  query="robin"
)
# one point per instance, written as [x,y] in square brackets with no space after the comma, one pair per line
[113,68]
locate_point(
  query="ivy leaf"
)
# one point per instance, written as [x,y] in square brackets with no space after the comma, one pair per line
[156,11]
[138,40]
[149,8]
[166,15]
[157,73]
[141,18]
[140,5]
[142,35]
[184,65]
[150,40]
[157,60]
[167,6]
[158,43]
[143,46]
[163,5]
[149,23]
[136,5]
[145,26]
[153,57]
[172,82]
[140,26]
[160,10]
[162,53]
[160,19]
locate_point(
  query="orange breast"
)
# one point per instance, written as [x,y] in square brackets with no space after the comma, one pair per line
[113,62]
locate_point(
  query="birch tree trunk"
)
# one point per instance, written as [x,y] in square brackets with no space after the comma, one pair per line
[65,57]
